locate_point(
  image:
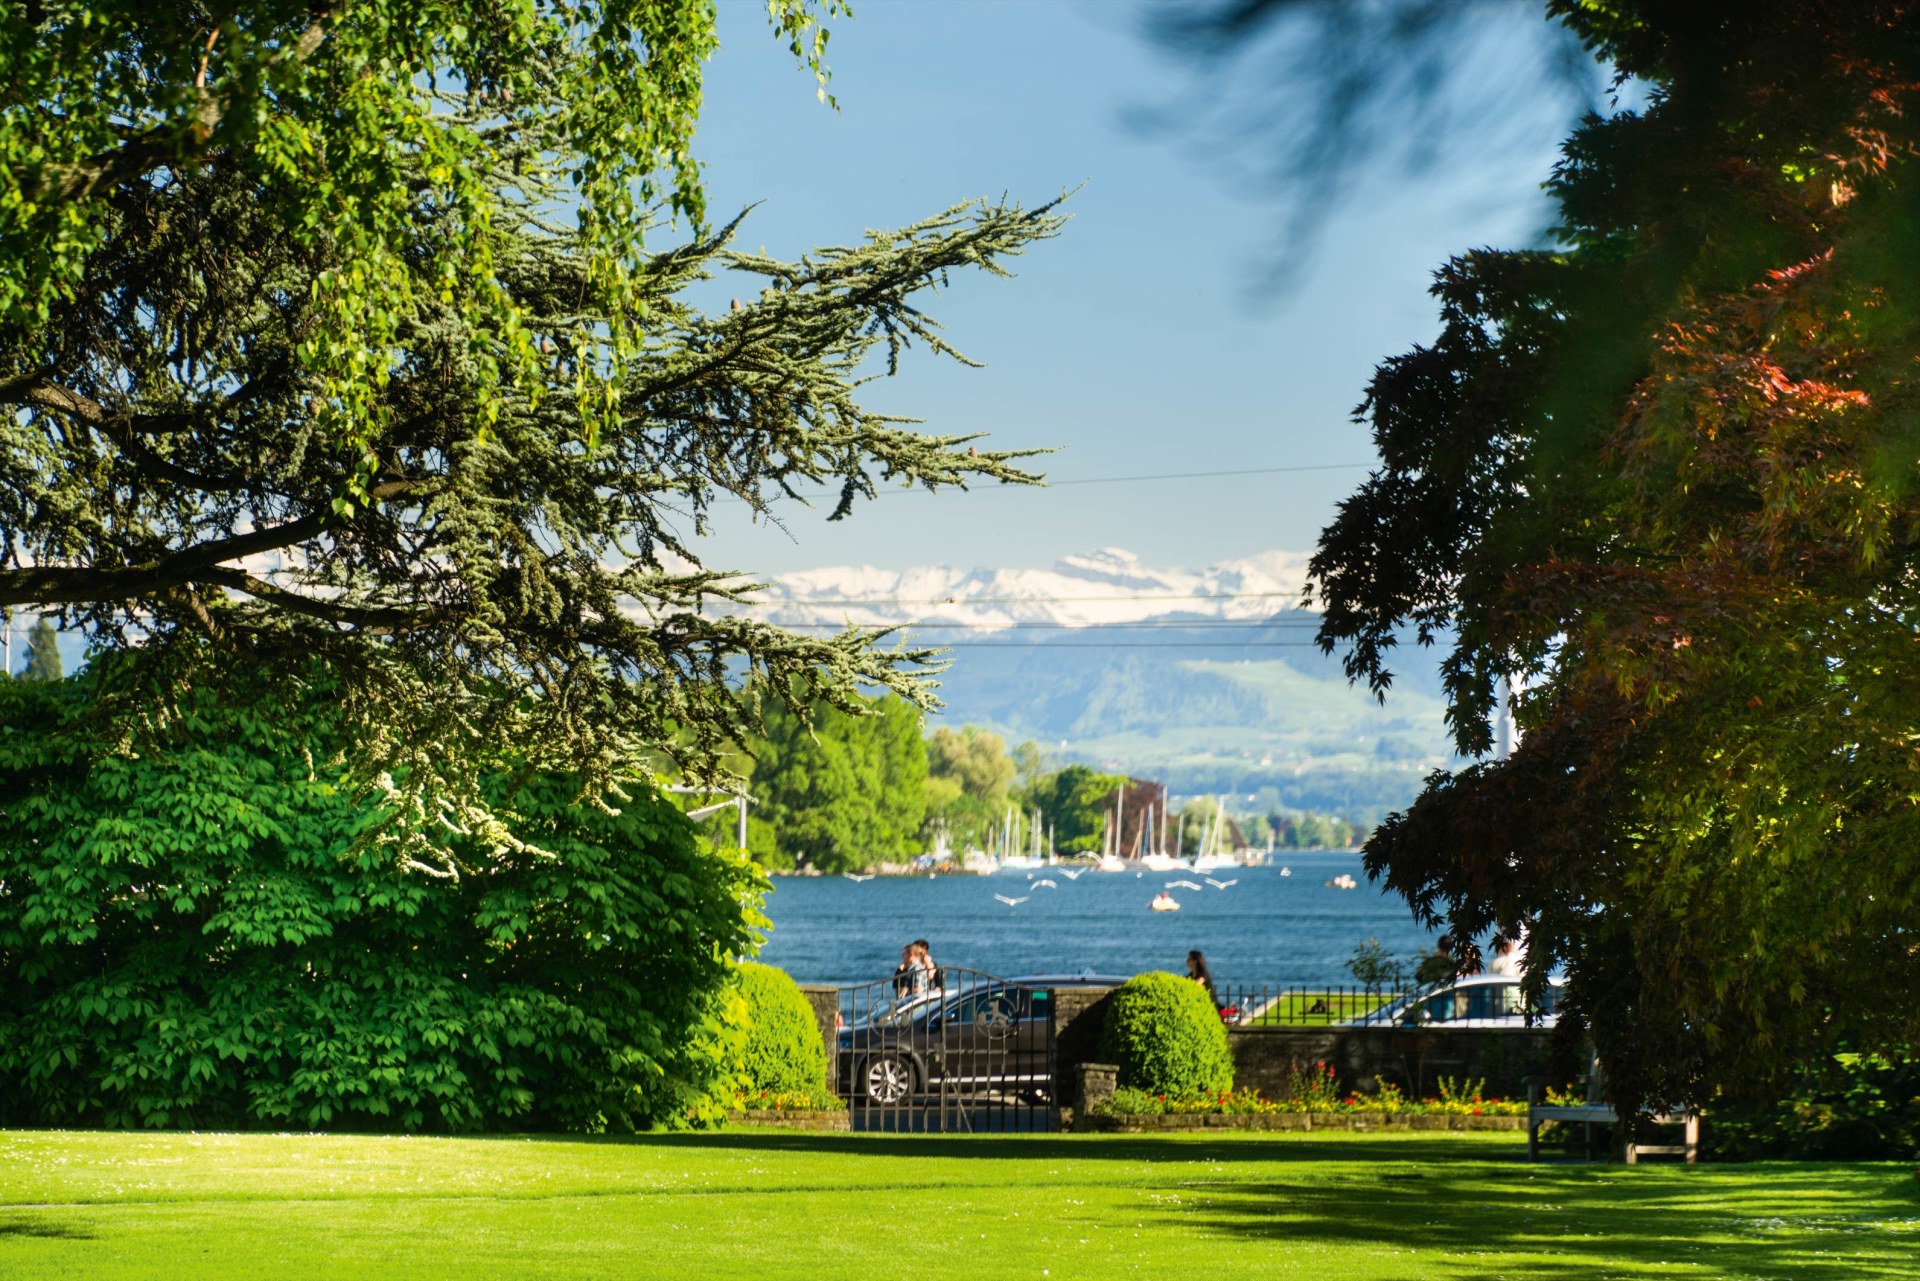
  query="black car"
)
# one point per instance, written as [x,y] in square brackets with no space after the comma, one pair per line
[973,1036]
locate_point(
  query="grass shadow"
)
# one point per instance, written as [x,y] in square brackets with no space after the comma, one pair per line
[1810,1222]
[1048,1147]
[24,1225]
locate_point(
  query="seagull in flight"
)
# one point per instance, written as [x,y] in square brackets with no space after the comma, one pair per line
[855,876]
[1221,885]
[1185,885]
[1047,882]
[1073,876]
[1013,902]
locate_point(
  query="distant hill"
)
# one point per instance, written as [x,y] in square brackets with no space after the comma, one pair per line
[1206,679]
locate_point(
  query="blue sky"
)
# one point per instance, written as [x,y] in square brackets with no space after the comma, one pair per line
[1134,342]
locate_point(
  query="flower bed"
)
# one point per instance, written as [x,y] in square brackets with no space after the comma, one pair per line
[1313,1101]
[789,1101]
[1356,1120]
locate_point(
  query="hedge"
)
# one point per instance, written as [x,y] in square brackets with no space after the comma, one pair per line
[781,1053]
[1166,1037]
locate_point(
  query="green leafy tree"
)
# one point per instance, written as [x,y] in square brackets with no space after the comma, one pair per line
[969,777]
[1373,966]
[198,935]
[43,652]
[1075,803]
[838,790]
[344,331]
[1662,474]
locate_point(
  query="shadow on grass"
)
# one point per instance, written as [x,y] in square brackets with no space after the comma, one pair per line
[23,1225]
[1048,1147]
[1812,1221]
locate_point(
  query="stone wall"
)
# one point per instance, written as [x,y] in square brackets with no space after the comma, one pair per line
[1413,1058]
[1078,1016]
[1264,1057]
[825,1000]
[792,1119]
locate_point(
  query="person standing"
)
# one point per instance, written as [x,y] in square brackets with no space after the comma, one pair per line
[1437,966]
[936,978]
[903,974]
[1197,971]
[1508,959]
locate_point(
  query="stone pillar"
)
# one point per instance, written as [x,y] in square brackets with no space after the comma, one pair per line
[1079,1014]
[825,1000]
[1093,1084]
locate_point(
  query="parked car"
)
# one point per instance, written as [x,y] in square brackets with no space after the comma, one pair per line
[985,1037]
[1478,1000]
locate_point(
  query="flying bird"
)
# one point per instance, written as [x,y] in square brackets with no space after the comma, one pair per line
[1221,885]
[855,876]
[1047,882]
[1073,876]
[1013,902]
[1185,885]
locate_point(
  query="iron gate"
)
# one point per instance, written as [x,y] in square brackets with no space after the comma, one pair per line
[968,1053]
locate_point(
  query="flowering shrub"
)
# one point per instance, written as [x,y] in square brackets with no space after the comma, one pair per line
[1315,1089]
[1128,1101]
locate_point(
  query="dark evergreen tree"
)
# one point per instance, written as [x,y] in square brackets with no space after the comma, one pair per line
[1662,475]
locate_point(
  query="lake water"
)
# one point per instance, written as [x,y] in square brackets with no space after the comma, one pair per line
[1265,929]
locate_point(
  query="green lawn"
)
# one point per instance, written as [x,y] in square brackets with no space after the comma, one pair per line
[1297,1009]
[772,1205]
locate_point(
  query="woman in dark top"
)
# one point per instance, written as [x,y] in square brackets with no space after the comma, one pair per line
[1197,971]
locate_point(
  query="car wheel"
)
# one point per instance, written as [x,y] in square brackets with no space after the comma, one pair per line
[887,1080]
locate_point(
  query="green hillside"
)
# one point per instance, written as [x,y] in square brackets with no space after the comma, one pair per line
[1180,706]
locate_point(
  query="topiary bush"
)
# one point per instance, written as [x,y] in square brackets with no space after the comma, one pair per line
[1166,1038]
[781,1052]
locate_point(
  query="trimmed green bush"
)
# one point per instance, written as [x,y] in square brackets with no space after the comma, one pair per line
[1165,1036]
[782,1052]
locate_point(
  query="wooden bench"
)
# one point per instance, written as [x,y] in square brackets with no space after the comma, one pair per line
[1594,1111]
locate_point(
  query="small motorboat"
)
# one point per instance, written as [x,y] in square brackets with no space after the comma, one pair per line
[1164,902]
[1343,882]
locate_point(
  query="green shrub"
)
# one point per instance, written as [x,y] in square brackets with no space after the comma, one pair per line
[1853,1107]
[1166,1038]
[201,935]
[781,1052]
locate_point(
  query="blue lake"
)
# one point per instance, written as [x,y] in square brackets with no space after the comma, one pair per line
[1265,929]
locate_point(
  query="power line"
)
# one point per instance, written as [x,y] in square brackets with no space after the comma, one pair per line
[932,624]
[1131,645]
[1144,478]
[1204,475]
[1014,600]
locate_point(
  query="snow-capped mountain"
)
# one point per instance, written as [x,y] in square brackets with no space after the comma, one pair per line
[1207,679]
[1107,586]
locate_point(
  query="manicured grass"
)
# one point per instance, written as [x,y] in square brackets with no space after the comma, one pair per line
[780,1205]
[1296,1009]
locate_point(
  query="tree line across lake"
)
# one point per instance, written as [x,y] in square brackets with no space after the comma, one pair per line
[841,791]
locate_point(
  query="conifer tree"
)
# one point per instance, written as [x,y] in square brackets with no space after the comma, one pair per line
[345,333]
[43,652]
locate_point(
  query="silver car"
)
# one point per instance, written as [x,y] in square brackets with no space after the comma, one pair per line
[1478,1000]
